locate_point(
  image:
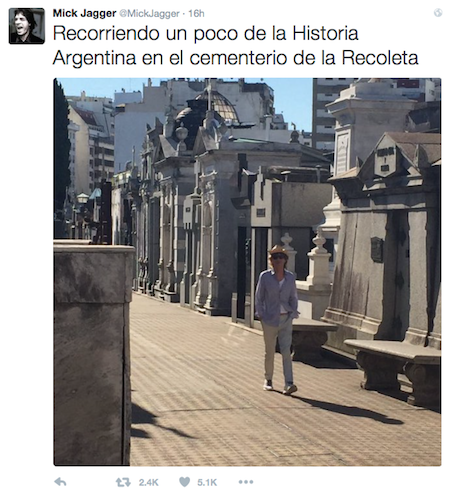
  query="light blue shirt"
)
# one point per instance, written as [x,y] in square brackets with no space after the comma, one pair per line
[270,297]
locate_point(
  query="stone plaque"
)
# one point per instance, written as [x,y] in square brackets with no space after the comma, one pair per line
[376,249]
[260,212]
[385,161]
[342,158]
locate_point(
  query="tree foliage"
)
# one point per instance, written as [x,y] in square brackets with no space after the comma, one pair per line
[61,146]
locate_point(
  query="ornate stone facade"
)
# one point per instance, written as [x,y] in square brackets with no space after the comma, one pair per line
[387,277]
[191,203]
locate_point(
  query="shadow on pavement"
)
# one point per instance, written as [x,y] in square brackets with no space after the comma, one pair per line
[349,410]
[141,416]
[332,360]
[332,364]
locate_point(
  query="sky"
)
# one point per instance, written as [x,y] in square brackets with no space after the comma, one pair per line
[293,97]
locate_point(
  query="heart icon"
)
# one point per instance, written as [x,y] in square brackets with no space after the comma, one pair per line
[185,481]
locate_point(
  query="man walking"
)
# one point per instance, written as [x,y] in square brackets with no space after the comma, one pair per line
[276,306]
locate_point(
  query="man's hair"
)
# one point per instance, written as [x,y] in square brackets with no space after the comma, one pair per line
[29,17]
[286,259]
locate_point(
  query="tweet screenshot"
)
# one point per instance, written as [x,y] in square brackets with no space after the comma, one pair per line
[232,218]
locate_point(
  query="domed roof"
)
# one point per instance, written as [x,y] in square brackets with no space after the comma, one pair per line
[194,114]
[220,104]
[192,118]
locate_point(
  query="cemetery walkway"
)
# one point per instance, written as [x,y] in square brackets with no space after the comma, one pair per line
[198,400]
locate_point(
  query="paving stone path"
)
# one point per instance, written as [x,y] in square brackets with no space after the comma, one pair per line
[198,401]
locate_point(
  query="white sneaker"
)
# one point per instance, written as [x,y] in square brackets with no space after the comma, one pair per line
[268,385]
[290,389]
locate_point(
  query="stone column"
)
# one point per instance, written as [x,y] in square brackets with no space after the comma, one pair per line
[363,113]
[435,337]
[164,243]
[92,394]
[205,252]
[169,287]
[195,264]
[196,241]
[211,300]
[419,280]
[145,223]
[168,249]
[154,224]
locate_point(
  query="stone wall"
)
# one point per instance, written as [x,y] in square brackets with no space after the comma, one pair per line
[387,277]
[92,396]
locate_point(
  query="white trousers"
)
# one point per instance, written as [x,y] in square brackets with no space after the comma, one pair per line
[284,333]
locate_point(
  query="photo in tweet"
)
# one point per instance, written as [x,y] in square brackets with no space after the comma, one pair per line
[234,290]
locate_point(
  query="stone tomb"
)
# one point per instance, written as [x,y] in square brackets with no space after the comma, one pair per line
[387,276]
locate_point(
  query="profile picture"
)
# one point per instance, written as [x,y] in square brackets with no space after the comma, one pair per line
[26,26]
